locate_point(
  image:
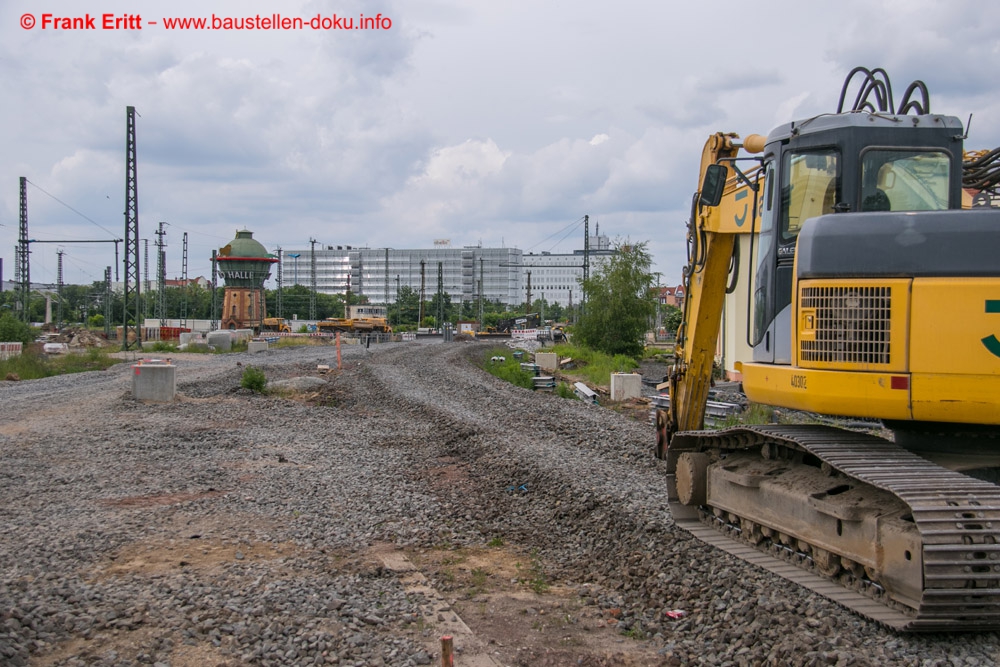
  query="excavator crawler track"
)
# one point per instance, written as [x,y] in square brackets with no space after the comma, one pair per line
[957,517]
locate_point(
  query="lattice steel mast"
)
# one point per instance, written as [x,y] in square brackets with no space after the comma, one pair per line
[146,289]
[107,301]
[59,288]
[22,263]
[184,279]
[278,278]
[312,278]
[132,293]
[161,276]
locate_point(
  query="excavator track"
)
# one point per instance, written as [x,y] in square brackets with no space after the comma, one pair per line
[957,518]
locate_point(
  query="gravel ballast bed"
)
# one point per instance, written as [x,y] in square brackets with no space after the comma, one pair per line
[234,528]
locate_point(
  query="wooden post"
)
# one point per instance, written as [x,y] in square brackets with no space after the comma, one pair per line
[447,652]
[338,352]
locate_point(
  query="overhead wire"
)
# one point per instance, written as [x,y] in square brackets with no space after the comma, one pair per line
[85,217]
[571,226]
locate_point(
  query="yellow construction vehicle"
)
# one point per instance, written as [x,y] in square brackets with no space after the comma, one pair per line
[873,295]
[278,324]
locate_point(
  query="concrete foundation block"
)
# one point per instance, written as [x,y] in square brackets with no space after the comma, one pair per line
[547,360]
[257,346]
[220,340]
[625,385]
[154,381]
[189,337]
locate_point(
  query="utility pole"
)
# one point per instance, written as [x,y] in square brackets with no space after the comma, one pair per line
[161,277]
[278,277]
[347,299]
[527,308]
[440,292]
[481,327]
[25,272]
[398,314]
[145,279]
[312,269]
[132,292]
[107,302]
[420,312]
[215,300]
[184,279]
[386,297]
[59,288]
[361,273]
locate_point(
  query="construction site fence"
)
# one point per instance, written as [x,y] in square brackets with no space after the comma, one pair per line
[8,350]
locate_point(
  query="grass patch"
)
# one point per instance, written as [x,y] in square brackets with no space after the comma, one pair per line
[32,365]
[291,341]
[563,390]
[596,367]
[479,577]
[756,413]
[495,542]
[533,574]
[509,369]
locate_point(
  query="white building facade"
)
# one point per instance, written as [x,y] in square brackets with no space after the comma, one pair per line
[379,273]
[557,277]
[500,274]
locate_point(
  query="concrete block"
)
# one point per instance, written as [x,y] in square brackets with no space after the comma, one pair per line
[154,381]
[625,385]
[188,337]
[547,360]
[220,340]
[257,346]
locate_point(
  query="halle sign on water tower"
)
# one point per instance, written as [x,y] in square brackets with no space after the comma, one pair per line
[244,264]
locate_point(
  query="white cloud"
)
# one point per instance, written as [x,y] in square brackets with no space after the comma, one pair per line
[475,122]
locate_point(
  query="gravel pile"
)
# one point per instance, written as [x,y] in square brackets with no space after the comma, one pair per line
[233,528]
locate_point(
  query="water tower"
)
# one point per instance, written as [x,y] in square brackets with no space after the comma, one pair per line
[244,264]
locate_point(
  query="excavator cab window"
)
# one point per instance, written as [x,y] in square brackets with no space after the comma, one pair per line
[809,185]
[809,188]
[904,180]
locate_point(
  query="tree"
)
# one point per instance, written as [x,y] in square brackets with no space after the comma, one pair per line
[13,330]
[672,316]
[404,312]
[441,303]
[619,303]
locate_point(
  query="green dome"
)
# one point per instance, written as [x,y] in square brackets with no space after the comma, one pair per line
[245,246]
[245,262]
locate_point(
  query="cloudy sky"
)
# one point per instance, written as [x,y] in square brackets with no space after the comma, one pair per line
[493,123]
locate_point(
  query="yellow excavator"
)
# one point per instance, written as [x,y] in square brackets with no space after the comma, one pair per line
[873,295]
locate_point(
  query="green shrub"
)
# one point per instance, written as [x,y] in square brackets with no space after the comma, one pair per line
[563,390]
[509,369]
[253,379]
[13,330]
[163,346]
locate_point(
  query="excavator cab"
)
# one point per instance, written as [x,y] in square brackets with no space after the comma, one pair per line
[841,164]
